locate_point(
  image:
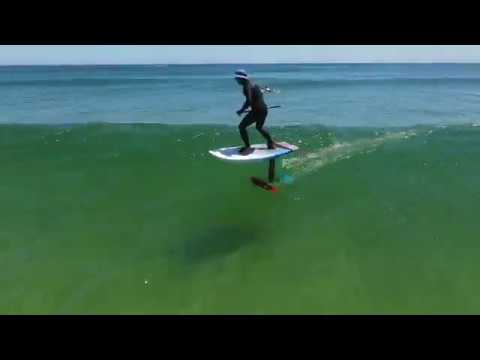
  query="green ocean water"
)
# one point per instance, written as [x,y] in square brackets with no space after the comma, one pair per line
[140,219]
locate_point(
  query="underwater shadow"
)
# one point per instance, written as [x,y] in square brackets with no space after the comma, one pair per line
[219,241]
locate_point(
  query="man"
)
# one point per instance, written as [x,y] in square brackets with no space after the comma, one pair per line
[258,114]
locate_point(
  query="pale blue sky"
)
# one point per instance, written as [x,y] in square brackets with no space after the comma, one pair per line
[161,54]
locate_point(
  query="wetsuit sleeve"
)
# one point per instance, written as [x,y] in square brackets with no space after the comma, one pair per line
[248,99]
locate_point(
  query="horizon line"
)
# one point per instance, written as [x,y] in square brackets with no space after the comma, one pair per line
[249,63]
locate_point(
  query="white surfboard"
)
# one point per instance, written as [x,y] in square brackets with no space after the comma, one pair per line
[259,152]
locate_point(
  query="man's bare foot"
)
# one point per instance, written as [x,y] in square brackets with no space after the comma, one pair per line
[272,146]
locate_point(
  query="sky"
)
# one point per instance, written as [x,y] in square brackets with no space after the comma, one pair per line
[199,54]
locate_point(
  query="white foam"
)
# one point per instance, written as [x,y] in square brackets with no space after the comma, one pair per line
[314,160]
[198,135]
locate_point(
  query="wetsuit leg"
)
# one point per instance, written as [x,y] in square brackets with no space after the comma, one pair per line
[246,122]
[260,121]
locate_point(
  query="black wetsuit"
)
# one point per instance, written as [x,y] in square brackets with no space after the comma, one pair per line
[258,114]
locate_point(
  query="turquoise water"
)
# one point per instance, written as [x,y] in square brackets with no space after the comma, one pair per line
[334,94]
[112,204]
